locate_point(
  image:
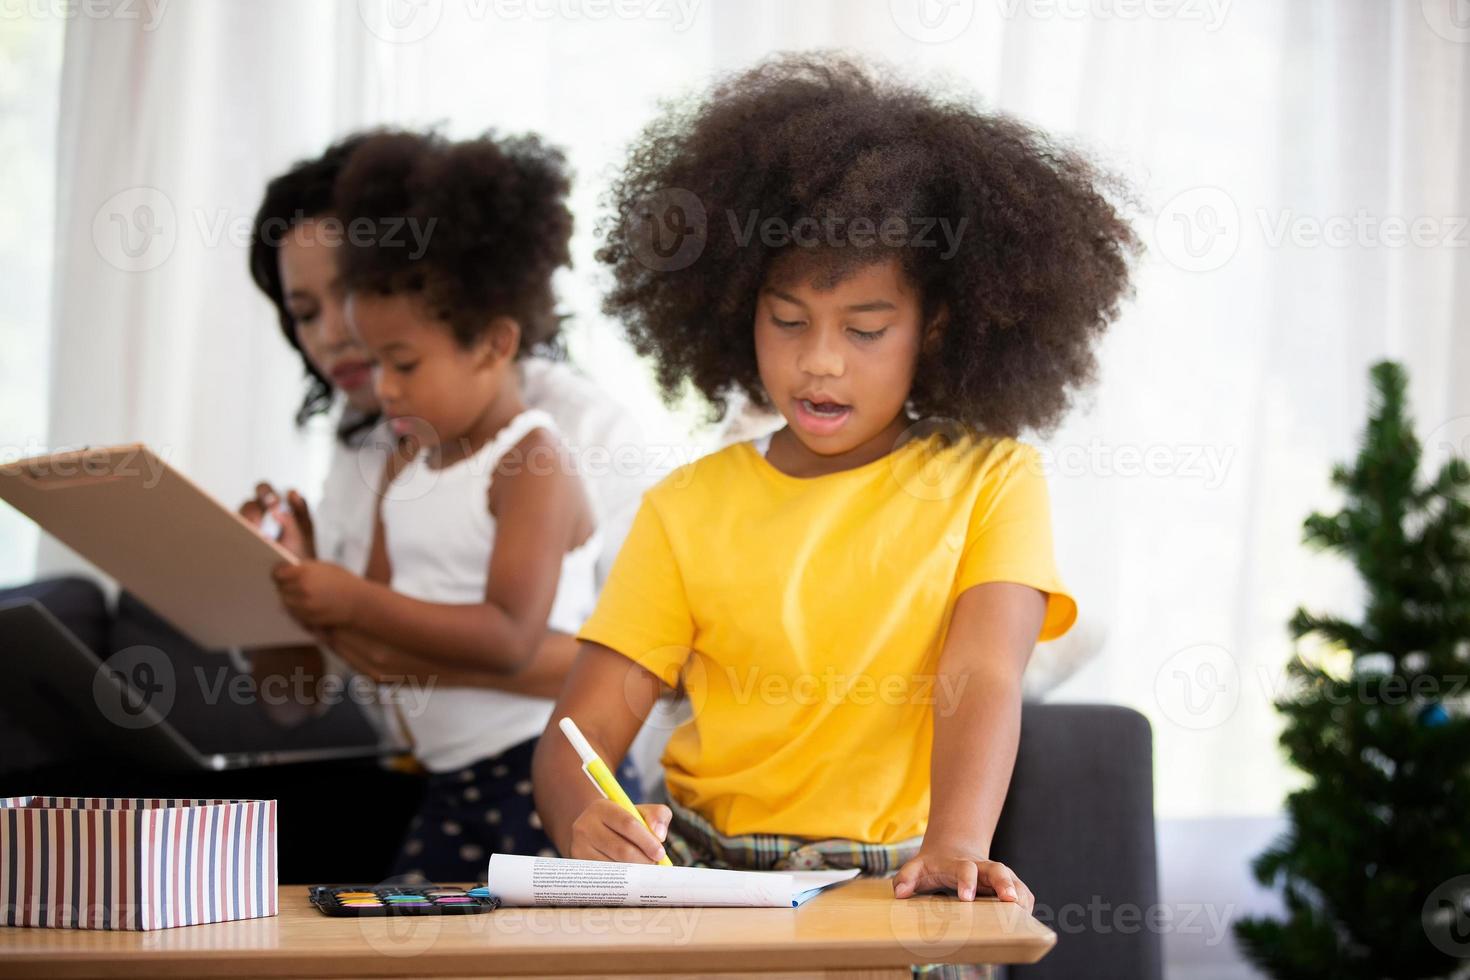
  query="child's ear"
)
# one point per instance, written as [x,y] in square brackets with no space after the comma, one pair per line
[934,332]
[502,339]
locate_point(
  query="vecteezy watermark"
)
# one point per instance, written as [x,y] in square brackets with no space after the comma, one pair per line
[932,21]
[645,693]
[410,21]
[1390,689]
[88,463]
[394,231]
[406,936]
[1201,229]
[1450,19]
[831,687]
[1450,439]
[150,12]
[939,475]
[410,693]
[589,461]
[138,229]
[1198,687]
[1210,13]
[833,231]
[135,688]
[668,230]
[1207,464]
[1100,917]
[1446,917]
[931,930]
[1363,229]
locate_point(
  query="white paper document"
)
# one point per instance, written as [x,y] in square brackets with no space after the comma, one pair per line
[518,879]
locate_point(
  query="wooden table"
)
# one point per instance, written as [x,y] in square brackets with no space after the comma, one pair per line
[854,929]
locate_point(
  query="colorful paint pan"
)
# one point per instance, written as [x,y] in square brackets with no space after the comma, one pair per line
[398,900]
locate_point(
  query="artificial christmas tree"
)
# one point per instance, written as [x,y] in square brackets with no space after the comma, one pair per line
[1371,864]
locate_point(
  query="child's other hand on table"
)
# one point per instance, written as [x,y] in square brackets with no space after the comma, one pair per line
[940,870]
[319,594]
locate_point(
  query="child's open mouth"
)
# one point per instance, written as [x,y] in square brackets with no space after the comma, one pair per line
[821,417]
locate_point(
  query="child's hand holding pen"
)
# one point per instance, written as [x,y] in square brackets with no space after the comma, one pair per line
[606,832]
[613,828]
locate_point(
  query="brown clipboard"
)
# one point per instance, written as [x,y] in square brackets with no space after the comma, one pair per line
[192,560]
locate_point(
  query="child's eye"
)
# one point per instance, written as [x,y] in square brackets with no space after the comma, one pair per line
[868,335]
[405,368]
[785,324]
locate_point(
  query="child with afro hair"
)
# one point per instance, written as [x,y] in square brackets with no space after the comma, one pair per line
[848,603]
[485,537]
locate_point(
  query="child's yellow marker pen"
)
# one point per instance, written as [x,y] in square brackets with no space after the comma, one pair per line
[601,776]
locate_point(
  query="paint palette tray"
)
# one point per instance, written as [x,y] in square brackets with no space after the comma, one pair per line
[399,900]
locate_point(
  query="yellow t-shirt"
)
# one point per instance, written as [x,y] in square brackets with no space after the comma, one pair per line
[805,618]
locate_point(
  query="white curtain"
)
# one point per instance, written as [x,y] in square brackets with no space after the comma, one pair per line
[169,128]
[1301,167]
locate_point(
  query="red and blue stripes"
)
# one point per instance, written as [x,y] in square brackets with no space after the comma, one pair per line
[111,863]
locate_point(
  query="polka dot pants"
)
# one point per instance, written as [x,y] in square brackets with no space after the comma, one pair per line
[469,814]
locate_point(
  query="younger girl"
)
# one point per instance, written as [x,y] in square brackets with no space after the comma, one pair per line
[484,535]
[848,604]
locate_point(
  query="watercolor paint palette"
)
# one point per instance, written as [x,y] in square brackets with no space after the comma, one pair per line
[399,900]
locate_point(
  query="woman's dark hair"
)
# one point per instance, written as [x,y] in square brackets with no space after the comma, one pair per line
[476,228]
[1032,273]
[302,193]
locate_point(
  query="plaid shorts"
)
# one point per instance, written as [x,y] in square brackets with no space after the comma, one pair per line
[693,842]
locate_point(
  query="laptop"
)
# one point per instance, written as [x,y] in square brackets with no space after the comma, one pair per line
[77,705]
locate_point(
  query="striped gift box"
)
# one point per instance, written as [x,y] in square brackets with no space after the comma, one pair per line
[76,863]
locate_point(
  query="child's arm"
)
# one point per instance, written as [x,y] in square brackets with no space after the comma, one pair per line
[539,510]
[609,697]
[991,636]
[542,677]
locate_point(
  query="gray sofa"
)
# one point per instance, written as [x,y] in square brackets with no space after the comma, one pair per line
[1078,827]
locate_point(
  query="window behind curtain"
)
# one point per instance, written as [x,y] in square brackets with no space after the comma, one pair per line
[30,78]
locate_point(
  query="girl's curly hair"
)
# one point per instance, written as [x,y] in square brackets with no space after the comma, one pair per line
[832,149]
[476,227]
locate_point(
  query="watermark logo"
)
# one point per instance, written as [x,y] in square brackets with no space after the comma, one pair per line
[1198,687]
[136,229]
[1446,917]
[932,21]
[1450,19]
[1210,14]
[400,21]
[667,229]
[931,472]
[150,12]
[1199,229]
[131,682]
[1449,440]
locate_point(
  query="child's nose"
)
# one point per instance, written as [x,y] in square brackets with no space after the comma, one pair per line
[820,354]
[384,386]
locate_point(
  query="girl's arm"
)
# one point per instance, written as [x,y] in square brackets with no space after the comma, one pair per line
[609,697]
[976,731]
[539,511]
[377,660]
